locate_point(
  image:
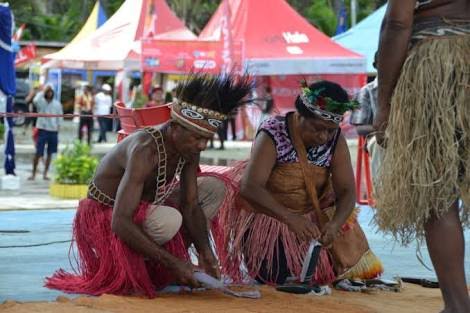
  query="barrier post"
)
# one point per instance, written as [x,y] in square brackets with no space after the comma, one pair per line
[363,163]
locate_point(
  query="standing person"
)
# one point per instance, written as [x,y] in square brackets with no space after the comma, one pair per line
[363,120]
[424,96]
[127,231]
[103,104]
[85,104]
[48,128]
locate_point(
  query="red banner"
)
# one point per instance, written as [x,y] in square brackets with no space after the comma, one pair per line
[165,56]
[25,54]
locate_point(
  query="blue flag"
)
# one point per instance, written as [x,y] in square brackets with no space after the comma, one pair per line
[342,20]
[7,82]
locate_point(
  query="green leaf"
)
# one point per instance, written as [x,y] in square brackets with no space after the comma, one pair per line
[75,165]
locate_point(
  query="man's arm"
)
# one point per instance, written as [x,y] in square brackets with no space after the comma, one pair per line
[253,189]
[128,197]
[36,101]
[344,188]
[394,40]
[194,218]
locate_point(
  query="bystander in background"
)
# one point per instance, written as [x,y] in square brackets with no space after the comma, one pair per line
[48,128]
[103,104]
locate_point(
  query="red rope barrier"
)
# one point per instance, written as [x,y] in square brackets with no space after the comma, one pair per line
[70,115]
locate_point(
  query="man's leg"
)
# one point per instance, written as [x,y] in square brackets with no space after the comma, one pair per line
[89,126]
[52,143]
[80,128]
[102,123]
[35,166]
[162,223]
[445,241]
[46,166]
[211,193]
[41,143]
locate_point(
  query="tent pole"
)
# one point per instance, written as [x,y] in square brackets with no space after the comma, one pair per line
[353,12]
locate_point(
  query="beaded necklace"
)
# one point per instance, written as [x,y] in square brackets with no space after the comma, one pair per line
[163,190]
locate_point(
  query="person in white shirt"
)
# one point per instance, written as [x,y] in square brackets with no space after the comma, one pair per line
[103,103]
[363,119]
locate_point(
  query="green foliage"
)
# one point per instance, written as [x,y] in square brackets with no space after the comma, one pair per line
[322,15]
[140,99]
[195,13]
[53,20]
[75,165]
[61,20]
[2,130]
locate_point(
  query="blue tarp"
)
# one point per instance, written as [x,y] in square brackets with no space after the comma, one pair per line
[364,37]
[7,82]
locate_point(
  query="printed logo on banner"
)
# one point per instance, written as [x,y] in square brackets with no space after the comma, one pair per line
[295,38]
[199,54]
[294,50]
[206,64]
[152,62]
[203,54]
[179,63]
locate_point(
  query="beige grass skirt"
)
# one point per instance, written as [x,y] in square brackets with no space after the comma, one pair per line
[426,166]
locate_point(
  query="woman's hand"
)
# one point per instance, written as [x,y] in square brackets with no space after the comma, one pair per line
[329,233]
[304,228]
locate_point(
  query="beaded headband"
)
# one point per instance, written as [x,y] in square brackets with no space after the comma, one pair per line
[202,120]
[324,107]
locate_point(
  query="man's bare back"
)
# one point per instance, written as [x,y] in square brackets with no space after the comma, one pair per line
[111,168]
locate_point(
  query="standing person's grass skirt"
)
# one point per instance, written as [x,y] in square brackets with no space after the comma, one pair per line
[427,160]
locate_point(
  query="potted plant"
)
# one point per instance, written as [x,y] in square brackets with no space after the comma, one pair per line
[74,168]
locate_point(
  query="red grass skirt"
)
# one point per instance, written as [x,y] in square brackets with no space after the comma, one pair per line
[105,263]
[251,238]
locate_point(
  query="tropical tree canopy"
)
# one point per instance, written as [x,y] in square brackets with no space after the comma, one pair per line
[61,20]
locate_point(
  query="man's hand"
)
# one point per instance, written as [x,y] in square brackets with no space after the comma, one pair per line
[305,229]
[208,262]
[184,274]
[381,123]
[329,233]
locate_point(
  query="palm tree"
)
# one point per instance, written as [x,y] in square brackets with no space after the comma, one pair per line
[195,13]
